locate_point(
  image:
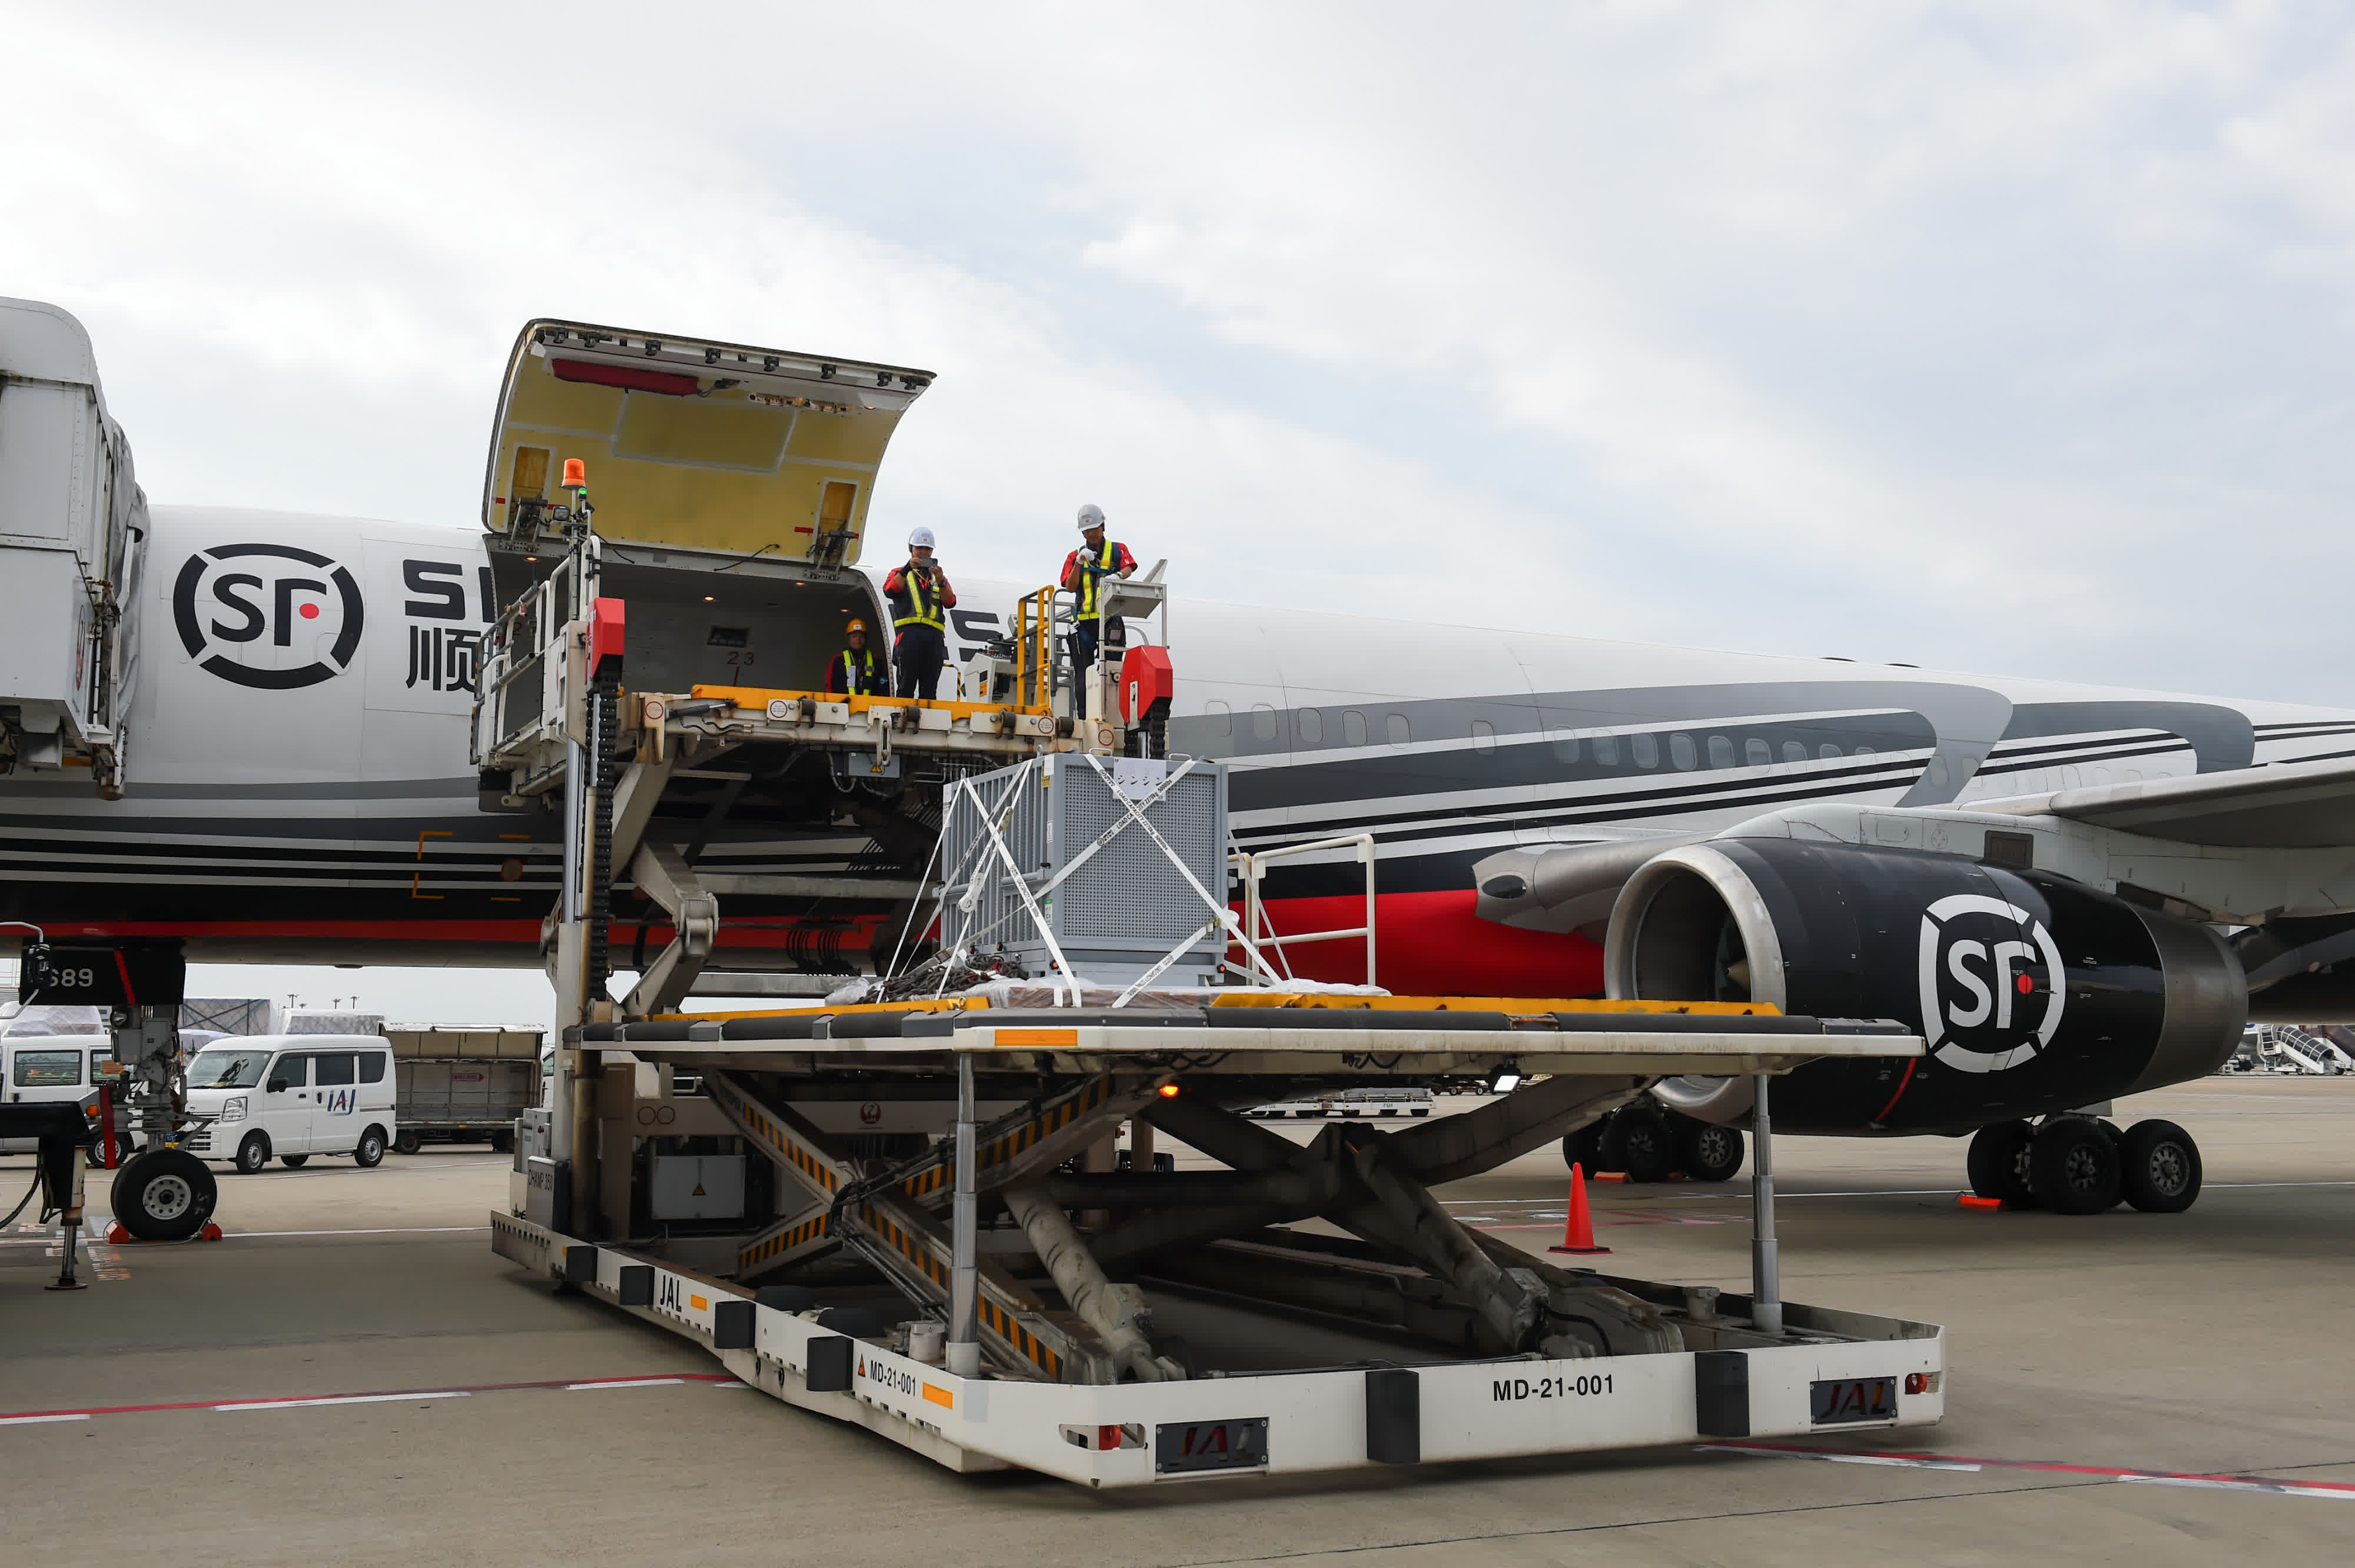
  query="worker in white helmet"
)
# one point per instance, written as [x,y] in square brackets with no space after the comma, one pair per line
[857,670]
[1084,570]
[920,599]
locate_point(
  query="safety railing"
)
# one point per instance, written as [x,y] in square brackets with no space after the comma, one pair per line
[1261,939]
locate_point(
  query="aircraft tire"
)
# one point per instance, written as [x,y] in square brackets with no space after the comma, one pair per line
[253,1154]
[1584,1148]
[164,1195]
[2158,1168]
[1709,1152]
[1639,1143]
[1999,1163]
[2074,1166]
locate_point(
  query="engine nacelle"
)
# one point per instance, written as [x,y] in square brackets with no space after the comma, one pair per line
[2034,993]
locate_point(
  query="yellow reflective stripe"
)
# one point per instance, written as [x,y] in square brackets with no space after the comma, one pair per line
[1089,581]
[924,610]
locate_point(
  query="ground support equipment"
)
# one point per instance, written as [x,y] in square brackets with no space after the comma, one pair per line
[983,1292]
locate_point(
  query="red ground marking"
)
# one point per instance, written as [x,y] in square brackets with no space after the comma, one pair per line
[363,1393]
[2047,1466]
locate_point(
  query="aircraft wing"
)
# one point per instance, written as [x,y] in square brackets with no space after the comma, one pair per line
[2286,806]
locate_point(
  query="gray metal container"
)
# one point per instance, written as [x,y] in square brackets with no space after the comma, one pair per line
[1128,905]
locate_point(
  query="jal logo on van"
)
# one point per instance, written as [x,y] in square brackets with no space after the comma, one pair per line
[338,1102]
[267,615]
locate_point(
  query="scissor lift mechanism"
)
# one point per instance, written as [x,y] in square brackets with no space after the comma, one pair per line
[1050,1359]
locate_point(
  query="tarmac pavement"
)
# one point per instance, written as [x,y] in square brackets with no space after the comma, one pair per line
[2202,1345]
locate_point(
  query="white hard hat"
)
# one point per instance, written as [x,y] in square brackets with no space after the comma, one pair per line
[921,536]
[1091,516]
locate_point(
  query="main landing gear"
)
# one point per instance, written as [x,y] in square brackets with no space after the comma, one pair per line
[1648,1141]
[2079,1165]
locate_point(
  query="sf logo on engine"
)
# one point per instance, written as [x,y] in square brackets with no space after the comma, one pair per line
[267,615]
[1992,985]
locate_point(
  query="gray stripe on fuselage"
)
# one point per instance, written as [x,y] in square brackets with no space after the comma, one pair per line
[1966,721]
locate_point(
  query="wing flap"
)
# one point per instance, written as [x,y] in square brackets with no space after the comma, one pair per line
[2284,805]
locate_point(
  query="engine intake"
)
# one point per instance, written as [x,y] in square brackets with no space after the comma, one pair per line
[2035,993]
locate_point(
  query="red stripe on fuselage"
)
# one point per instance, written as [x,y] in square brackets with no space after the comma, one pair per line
[1431,943]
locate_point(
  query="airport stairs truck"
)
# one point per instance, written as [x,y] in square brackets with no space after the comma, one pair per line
[901,1208]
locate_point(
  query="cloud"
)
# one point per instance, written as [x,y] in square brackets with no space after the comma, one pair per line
[1988,337]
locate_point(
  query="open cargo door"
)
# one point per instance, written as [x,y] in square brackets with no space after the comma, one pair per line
[692,445]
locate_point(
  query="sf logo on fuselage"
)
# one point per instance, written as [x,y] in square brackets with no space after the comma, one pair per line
[1992,985]
[267,615]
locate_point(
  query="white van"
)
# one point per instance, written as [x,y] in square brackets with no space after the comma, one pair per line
[292,1096]
[51,1067]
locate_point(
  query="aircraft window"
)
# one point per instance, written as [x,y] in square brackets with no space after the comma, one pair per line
[1681,751]
[1310,727]
[1263,721]
[1221,717]
[1647,749]
[334,1067]
[1353,728]
[1794,750]
[1864,750]
[1938,772]
[1566,749]
[372,1066]
[47,1069]
[1721,752]
[1484,737]
[1758,752]
[1606,749]
[1399,731]
[1828,751]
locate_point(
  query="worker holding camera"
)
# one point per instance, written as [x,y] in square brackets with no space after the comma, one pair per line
[920,598]
[1084,570]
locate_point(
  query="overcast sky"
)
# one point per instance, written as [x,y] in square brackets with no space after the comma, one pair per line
[2007,337]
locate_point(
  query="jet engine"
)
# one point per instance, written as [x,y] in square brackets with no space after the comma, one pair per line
[2034,993]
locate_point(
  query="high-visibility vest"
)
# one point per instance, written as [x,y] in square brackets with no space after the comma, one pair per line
[923,601]
[860,673]
[1106,558]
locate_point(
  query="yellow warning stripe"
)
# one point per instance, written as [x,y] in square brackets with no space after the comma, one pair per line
[1047,1123]
[995,1317]
[800,1235]
[817,1169]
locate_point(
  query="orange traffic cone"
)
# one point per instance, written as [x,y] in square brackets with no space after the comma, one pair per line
[1578,1233]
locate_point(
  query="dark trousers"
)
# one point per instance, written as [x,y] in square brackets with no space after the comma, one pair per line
[1083,644]
[917,657]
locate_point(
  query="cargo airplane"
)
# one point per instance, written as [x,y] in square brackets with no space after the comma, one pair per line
[2075,892]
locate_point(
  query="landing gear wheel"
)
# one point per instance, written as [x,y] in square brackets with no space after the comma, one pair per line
[293,1161]
[1584,1148]
[1709,1152]
[1999,1163]
[2158,1168]
[164,1195]
[406,1141]
[253,1154]
[370,1154]
[2074,1166]
[1638,1145]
